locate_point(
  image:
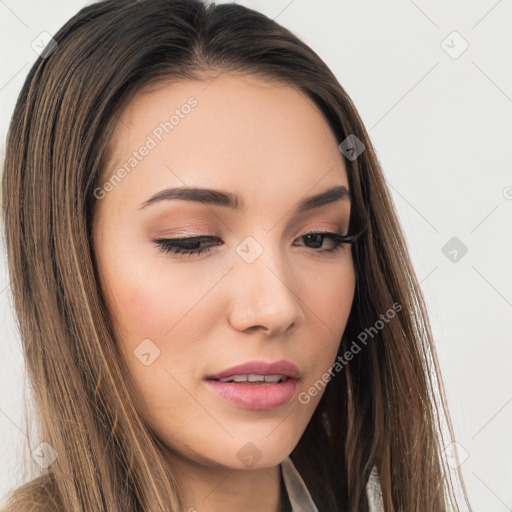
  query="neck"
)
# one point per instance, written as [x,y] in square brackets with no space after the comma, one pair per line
[208,488]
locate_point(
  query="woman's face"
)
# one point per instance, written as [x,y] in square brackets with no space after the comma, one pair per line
[261,291]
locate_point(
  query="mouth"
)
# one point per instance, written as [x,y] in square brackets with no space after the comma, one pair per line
[259,371]
[257,385]
[254,379]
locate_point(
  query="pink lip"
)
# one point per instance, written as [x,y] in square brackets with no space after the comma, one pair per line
[257,396]
[281,367]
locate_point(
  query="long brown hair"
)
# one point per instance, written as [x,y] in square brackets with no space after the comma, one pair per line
[386,409]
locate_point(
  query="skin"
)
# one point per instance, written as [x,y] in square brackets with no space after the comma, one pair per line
[270,144]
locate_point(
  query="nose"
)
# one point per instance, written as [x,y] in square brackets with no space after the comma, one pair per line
[263,295]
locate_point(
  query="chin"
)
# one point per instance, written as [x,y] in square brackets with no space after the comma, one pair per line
[236,454]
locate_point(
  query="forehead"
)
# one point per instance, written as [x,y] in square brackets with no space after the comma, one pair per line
[228,129]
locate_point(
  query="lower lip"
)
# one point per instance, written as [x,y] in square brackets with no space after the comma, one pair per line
[257,397]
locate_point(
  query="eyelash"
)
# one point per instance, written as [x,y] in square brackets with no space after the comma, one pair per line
[172,245]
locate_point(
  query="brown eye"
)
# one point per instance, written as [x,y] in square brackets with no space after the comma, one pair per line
[317,240]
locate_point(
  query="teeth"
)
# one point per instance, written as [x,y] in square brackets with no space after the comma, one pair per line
[240,378]
[274,378]
[254,378]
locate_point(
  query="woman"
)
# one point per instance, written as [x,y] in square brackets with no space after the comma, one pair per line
[217,307]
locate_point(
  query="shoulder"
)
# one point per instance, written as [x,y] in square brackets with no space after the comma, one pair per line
[38,495]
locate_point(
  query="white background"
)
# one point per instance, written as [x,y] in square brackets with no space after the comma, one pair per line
[442,129]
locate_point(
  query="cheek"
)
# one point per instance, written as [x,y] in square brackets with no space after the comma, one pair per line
[328,302]
[156,340]
[330,295]
[146,307]
[137,303]
[156,301]
[141,296]
[143,300]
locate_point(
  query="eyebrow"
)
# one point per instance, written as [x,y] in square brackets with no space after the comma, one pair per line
[230,200]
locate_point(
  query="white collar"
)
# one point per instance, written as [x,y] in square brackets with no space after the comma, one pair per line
[298,493]
[301,500]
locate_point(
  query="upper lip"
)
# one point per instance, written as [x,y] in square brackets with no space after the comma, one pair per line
[281,367]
